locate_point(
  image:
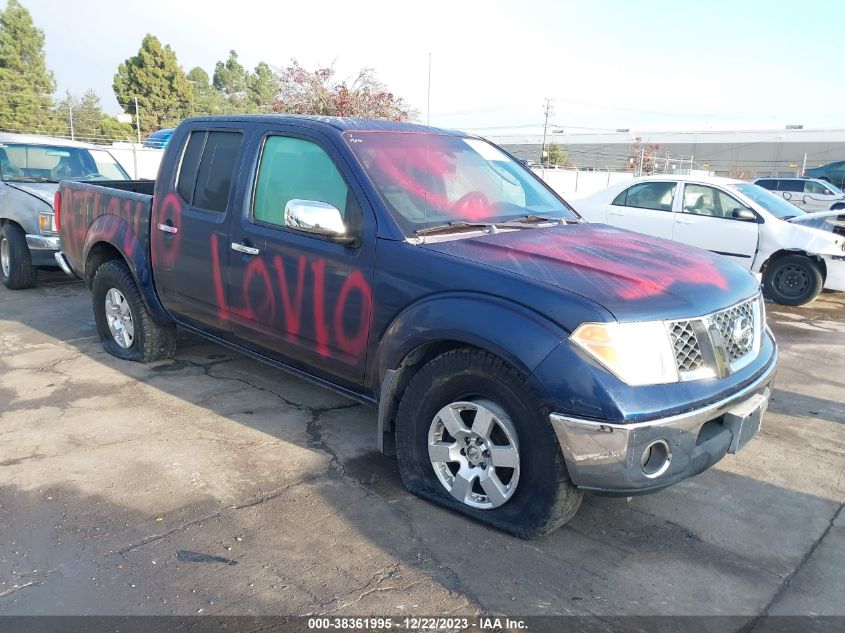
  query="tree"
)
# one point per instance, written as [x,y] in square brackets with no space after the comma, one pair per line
[557,155]
[262,88]
[206,99]
[90,123]
[317,92]
[231,81]
[161,86]
[243,91]
[641,159]
[26,85]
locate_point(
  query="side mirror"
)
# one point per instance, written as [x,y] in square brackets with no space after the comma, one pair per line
[320,218]
[744,214]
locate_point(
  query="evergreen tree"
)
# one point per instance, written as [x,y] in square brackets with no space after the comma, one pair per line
[206,99]
[26,86]
[231,80]
[155,77]
[90,123]
[263,86]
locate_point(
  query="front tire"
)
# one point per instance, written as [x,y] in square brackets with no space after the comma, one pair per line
[793,280]
[472,435]
[16,269]
[126,328]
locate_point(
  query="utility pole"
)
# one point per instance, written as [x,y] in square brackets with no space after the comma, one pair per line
[138,119]
[547,110]
[70,115]
[428,97]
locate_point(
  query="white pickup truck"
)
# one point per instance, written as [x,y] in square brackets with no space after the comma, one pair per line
[796,254]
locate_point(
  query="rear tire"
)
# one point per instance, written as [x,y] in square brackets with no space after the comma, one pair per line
[793,280]
[126,328]
[543,496]
[16,269]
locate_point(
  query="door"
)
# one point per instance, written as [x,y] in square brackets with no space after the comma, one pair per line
[792,190]
[707,219]
[300,297]
[645,207]
[187,224]
[817,196]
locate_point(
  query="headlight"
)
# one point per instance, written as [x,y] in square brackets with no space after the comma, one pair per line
[47,222]
[637,353]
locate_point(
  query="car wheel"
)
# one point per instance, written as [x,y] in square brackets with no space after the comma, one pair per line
[126,328]
[473,436]
[16,269]
[793,280]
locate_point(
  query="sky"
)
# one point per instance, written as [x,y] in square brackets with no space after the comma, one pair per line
[607,64]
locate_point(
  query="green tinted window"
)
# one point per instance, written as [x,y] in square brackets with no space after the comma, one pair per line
[290,169]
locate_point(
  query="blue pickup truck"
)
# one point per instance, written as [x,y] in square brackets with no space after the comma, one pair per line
[518,356]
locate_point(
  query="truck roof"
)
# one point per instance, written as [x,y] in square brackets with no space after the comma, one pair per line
[341,124]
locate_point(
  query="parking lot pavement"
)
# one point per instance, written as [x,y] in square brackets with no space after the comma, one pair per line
[215,484]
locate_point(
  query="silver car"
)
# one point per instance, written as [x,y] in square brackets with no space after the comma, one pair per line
[31,168]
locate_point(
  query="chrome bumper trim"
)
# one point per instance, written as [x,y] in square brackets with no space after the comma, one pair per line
[42,242]
[63,263]
[606,455]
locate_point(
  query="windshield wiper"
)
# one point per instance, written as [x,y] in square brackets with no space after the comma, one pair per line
[453,227]
[526,222]
[29,179]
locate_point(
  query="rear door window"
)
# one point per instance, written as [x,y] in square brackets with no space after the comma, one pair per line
[207,170]
[658,196]
[767,184]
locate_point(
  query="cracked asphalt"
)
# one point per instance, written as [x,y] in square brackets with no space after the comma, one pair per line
[214,484]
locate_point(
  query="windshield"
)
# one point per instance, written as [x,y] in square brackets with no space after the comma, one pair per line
[428,180]
[772,203]
[47,163]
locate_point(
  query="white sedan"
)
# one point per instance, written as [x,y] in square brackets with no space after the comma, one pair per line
[795,253]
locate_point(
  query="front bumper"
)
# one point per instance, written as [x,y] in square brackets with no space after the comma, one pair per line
[42,249]
[835,279]
[606,458]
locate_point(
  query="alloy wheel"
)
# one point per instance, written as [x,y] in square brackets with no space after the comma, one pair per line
[119,318]
[472,446]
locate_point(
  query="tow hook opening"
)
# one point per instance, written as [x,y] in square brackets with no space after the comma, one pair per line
[655,459]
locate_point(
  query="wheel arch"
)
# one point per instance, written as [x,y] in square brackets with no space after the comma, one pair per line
[818,260]
[102,245]
[513,333]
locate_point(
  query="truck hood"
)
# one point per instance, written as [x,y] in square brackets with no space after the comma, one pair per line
[635,277]
[41,190]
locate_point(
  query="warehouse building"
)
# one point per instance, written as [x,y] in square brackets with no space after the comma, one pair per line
[742,154]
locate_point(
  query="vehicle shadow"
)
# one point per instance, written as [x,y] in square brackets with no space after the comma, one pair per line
[800,405]
[325,526]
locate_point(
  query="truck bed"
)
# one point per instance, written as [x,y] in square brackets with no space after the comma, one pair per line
[116,212]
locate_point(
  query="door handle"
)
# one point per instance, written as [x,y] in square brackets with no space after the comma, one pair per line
[616,213]
[684,221]
[167,228]
[246,250]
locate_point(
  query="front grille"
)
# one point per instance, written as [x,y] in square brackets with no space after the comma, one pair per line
[717,344]
[725,322]
[687,350]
